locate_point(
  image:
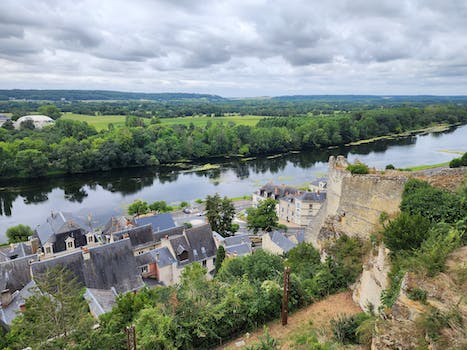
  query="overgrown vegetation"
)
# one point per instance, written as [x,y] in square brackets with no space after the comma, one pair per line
[18,233]
[358,168]
[458,162]
[431,225]
[345,328]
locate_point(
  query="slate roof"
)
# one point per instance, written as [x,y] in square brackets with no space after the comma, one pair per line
[100,301]
[15,250]
[162,256]
[278,190]
[8,313]
[318,180]
[56,227]
[110,265]
[158,236]
[237,239]
[140,235]
[159,222]
[116,224]
[201,242]
[239,249]
[15,274]
[281,241]
[313,196]
[179,245]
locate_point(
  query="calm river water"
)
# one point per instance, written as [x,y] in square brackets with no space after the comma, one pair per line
[106,194]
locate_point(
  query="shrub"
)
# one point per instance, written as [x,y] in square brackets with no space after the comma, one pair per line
[390,167]
[138,207]
[417,294]
[406,232]
[345,328]
[458,162]
[358,168]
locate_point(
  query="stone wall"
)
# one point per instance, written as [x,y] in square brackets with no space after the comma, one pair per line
[356,200]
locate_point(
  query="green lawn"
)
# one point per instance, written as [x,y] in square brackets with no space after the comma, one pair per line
[102,122]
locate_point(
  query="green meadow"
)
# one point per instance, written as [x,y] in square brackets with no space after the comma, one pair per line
[102,121]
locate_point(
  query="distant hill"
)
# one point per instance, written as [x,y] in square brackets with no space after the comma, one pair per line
[101,95]
[373,98]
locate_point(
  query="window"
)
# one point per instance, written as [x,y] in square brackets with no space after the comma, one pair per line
[144,269]
[69,245]
[48,250]
[204,263]
[90,239]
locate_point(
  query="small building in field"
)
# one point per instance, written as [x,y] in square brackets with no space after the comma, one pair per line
[39,121]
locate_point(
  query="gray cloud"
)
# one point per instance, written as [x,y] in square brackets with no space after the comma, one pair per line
[252,47]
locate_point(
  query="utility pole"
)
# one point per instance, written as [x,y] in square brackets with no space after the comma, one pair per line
[131,337]
[285,296]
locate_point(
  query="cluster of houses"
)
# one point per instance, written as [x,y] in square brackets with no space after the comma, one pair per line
[128,254]
[294,206]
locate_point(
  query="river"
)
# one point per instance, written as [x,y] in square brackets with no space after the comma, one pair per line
[104,194]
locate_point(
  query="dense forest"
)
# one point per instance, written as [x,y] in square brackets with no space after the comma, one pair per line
[73,147]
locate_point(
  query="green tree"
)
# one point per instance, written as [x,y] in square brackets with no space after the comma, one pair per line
[18,233]
[154,330]
[220,256]
[56,315]
[50,110]
[406,232]
[220,213]
[32,162]
[263,217]
[138,207]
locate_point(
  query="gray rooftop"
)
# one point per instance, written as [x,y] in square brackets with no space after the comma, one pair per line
[159,222]
[110,265]
[239,249]
[15,250]
[8,313]
[201,242]
[237,239]
[161,256]
[313,197]
[15,274]
[281,241]
[139,235]
[116,224]
[100,301]
[56,223]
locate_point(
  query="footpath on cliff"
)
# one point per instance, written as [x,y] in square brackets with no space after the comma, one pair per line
[316,316]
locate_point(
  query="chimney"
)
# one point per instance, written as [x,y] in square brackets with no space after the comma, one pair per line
[85,252]
[22,307]
[34,245]
[12,247]
[6,297]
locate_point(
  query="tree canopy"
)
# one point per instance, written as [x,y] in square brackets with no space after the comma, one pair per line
[264,217]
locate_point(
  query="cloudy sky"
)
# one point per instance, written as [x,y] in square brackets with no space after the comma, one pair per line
[237,47]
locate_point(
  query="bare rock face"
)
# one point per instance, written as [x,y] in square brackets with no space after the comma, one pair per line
[367,291]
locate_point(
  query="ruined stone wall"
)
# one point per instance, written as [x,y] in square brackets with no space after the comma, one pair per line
[355,202]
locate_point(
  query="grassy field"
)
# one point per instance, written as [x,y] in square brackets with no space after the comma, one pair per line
[102,122]
[425,167]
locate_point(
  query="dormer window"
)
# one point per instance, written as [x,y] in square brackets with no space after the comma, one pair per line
[70,243]
[89,238]
[48,249]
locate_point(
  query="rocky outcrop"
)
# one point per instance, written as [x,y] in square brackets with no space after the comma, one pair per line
[367,291]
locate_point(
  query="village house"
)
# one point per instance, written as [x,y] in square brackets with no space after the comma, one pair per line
[318,185]
[62,232]
[279,243]
[300,207]
[237,245]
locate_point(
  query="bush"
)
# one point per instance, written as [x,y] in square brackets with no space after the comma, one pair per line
[458,162]
[138,207]
[406,232]
[18,233]
[358,168]
[417,294]
[345,328]
[390,167]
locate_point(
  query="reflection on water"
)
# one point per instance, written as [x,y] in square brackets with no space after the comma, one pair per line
[105,194]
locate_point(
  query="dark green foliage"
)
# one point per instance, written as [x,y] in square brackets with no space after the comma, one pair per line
[358,168]
[160,207]
[417,294]
[437,205]
[390,167]
[263,217]
[220,213]
[57,318]
[458,162]
[138,207]
[406,232]
[266,342]
[50,110]
[345,328]
[304,259]
[220,256]
[18,233]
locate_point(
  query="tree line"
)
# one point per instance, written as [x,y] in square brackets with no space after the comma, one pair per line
[75,147]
